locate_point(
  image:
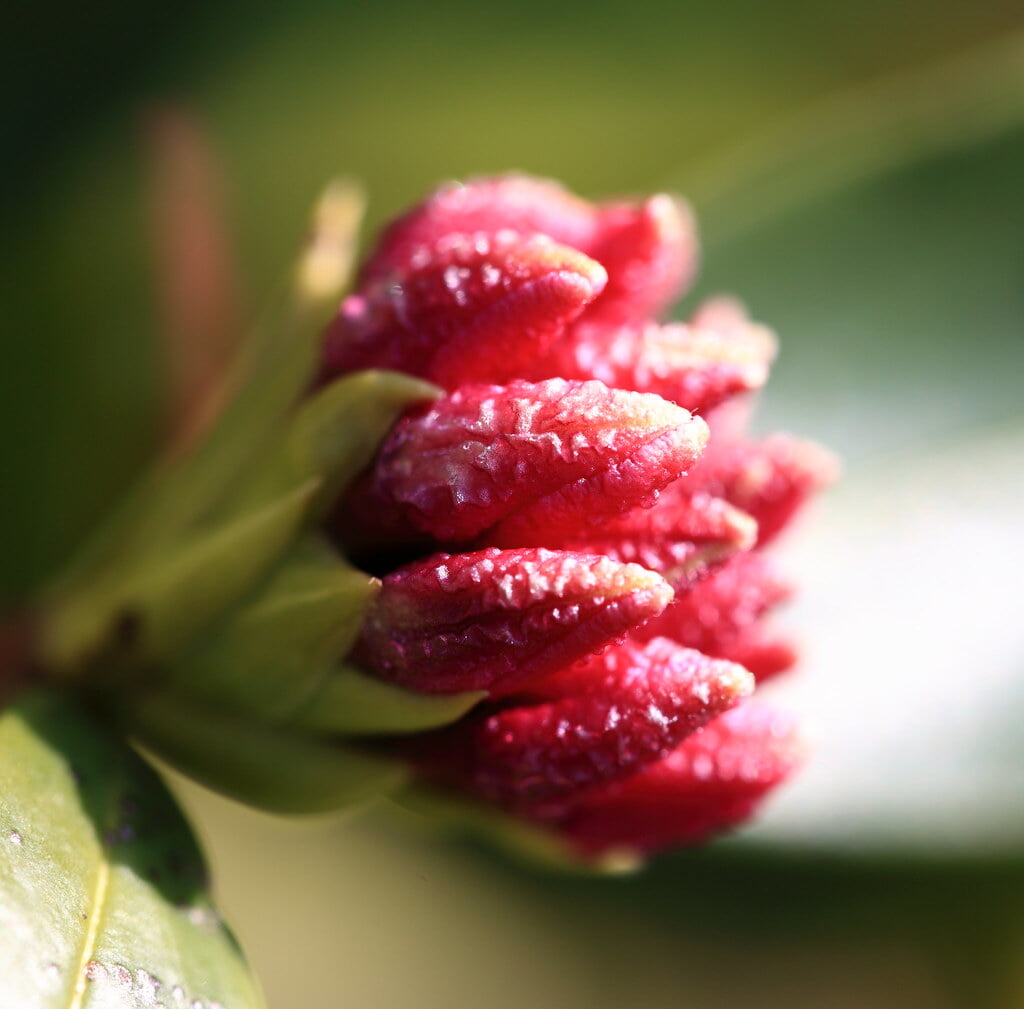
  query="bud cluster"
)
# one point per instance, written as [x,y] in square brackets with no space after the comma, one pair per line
[570,536]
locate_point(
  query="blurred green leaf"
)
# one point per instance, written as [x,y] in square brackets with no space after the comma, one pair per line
[103,896]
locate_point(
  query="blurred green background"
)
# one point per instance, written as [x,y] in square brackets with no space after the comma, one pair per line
[858,174]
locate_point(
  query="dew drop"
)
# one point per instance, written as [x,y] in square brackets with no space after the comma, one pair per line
[14,837]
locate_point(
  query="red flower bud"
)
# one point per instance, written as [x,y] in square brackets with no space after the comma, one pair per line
[770,480]
[715,615]
[649,248]
[711,782]
[497,619]
[470,307]
[696,365]
[680,536]
[596,722]
[525,460]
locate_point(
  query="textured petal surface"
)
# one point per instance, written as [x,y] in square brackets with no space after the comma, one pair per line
[606,717]
[470,307]
[715,613]
[714,780]
[697,366]
[680,536]
[496,619]
[532,456]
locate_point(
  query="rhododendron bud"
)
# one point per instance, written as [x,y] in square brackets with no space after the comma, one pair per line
[471,307]
[649,247]
[770,480]
[496,619]
[527,457]
[697,365]
[680,536]
[712,781]
[595,722]
[717,613]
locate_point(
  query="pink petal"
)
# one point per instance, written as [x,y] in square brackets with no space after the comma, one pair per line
[713,781]
[500,618]
[531,456]
[605,718]
[471,307]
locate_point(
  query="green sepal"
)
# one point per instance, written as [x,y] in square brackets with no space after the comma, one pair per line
[274,653]
[264,766]
[180,589]
[333,435]
[353,703]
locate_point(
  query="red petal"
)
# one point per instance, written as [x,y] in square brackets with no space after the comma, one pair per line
[501,617]
[650,252]
[680,536]
[713,781]
[698,365]
[649,248]
[607,717]
[715,612]
[771,480]
[762,651]
[506,202]
[467,308]
[532,456]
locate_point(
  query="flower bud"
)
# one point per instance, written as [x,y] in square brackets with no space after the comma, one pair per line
[592,723]
[714,780]
[528,459]
[498,619]
[471,307]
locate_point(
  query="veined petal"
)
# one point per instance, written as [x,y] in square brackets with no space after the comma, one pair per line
[496,619]
[649,247]
[714,780]
[531,456]
[681,536]
[597,722]
[469,307]
[696,365]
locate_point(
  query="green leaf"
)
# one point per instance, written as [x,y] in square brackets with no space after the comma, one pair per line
[103,892]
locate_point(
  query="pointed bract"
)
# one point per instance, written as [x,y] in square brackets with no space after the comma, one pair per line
[531,456]
[597,722]
[496,619]
[696,366]
[770,480]
[715,613]
[714,780]
[469,308]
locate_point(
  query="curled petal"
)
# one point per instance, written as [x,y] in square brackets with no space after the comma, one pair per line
[597,722]
[771,480]
[496,619]
[531,456]
[714,613]
[681,536]
[714,780]
[470,307]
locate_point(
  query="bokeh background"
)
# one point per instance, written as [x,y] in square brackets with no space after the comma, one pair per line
[858,170]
